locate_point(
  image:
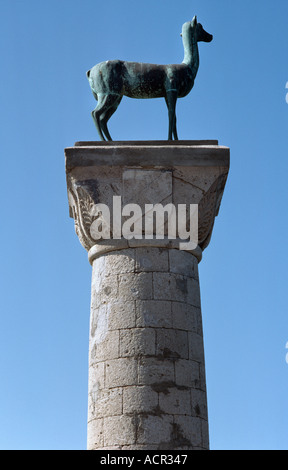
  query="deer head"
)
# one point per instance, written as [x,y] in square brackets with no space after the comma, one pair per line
[200,33]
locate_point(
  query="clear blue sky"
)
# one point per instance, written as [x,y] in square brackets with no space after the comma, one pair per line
[238,98]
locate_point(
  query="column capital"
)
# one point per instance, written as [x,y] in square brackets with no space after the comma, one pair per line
[159,172]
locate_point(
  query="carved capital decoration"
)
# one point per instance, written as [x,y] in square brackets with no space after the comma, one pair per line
[96,181]
[82,196]
[208,209]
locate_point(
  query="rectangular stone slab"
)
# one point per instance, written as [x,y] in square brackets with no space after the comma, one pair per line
[146,155]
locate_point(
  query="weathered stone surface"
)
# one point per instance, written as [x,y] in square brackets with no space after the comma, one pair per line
[154,429]
[95,432]
[175,287]
[153,187]
[186,317]
[135,286]
[147,387]
[199,403]
[119,430]
[96,376]
[121,372]
[146,352]
[187,373]
[121,314]
[181,173]
[137,342]
[176,402]
[154,371]
[104,348]
[120,264]
[154,313]
[180,263]
[172,343]
[145,260]
[140,399]
[104,403]
[196,347]
[189,431]
[183,155]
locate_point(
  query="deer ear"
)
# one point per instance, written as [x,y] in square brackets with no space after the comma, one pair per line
[194,21]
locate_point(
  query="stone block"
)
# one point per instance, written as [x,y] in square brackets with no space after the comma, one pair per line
[202,381]
[177,401]
[153,186]
[98,323]
[120,262]
[188,431]
[121,372]
[106,187]
[172,344]
[185,316]
[197,178]
[181,262]
[151,260]
[182,188]
[97,376]
[170,286]
[140,399]
[121,314]
[154,429]
[154,313]
[105,402]
[98,273]
[104,348]
[95,434]
[135,286]
[164,286]
[137,342]
[103,288]
[108,175]
[119,430]
[199,404]
[187,373]
[196,348]
[193,293]
[205,434]
[153,371]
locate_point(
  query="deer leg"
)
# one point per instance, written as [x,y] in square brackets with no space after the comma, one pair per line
[174,124]
[104,103]
[171,99]
[175,129]
[103,124]
[96,117]
[106,115]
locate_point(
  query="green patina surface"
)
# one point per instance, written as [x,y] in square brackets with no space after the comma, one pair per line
[113,79]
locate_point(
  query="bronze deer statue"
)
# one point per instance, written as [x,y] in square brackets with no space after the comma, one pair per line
[111,80]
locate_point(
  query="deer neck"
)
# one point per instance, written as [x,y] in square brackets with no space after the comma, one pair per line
[191,53]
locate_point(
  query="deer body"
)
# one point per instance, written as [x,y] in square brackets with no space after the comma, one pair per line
[113,79]
[153,81]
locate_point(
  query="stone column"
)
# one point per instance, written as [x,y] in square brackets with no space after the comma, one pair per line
[147,387]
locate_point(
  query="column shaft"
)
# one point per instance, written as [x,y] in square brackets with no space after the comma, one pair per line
[146,358]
